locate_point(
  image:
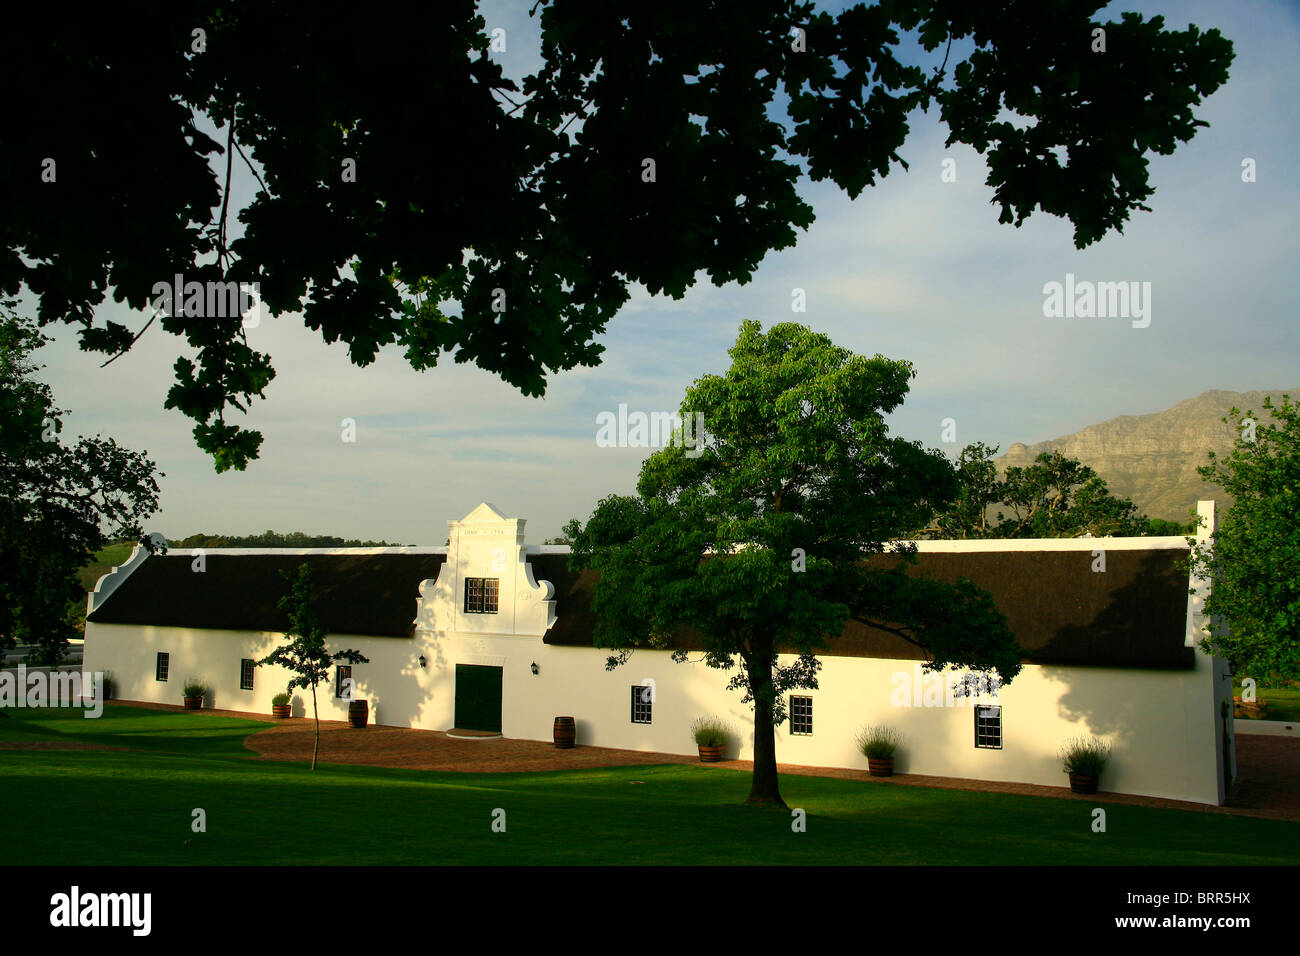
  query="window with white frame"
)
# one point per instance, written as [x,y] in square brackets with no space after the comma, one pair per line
[246,666]
[161,668]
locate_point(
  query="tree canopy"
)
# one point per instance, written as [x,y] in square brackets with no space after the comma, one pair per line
[759,539]
[1253,559]
[422,199]
[1055,497]
[59,502]
[275,539]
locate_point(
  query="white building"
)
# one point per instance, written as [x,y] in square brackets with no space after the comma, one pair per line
[493,634]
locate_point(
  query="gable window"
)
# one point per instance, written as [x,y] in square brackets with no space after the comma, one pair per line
[160,669]
[343,682]
[642,703]
[988,727]
[246,666]
[481,595]
[801,716]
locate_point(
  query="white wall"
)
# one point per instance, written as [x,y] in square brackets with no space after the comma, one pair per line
[1163,724]
[129,652]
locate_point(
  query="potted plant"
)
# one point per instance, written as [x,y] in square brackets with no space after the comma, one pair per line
[194,691]
[280,705]
[878,745]
[1083,759]
[710,735]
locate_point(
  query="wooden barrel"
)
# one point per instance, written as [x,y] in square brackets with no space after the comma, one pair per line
[880,766]
[565,732]
[358,713]
[710,754]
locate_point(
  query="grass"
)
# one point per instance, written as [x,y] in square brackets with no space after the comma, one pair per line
[104,561]
[132,727]
[100,807]
[1283,702]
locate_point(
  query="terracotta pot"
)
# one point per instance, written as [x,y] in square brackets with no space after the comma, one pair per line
[710,754]
[193,703]
[564,732]
[280,710]
[1083,782]
[358,713]
[880,766]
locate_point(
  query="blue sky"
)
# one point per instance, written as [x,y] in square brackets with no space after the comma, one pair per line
[914,269]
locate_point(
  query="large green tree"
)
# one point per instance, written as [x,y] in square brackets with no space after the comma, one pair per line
[758,541]
[1253,560]
[59,502]
[410,194]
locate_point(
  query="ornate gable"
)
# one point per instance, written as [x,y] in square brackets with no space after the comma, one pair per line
[486,554]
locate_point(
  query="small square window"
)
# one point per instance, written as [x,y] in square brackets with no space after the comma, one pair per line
[481,595]
[343,682]
[801,716]
[988,727]
[164,662]
[642,703]
[246,666]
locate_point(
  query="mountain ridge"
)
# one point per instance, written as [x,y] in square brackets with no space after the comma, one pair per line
[1153,458]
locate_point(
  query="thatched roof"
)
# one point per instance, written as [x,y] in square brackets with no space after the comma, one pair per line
[1061,611]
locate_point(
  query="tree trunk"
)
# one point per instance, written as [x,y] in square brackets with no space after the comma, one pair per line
[315,713]
[765,790]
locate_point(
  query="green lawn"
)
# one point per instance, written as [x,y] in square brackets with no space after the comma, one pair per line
[98,807]
[104,561]
[1283,702]
[133,727]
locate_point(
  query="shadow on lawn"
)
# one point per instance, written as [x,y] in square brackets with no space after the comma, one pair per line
[134,728]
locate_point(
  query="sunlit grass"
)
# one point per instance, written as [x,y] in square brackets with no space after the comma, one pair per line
[137,808]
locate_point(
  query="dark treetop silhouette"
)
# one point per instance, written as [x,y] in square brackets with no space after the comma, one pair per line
[656,141]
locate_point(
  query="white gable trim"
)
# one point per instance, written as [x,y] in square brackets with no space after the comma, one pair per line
[110,582]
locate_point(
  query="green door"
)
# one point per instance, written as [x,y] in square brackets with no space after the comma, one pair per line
[478,697]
